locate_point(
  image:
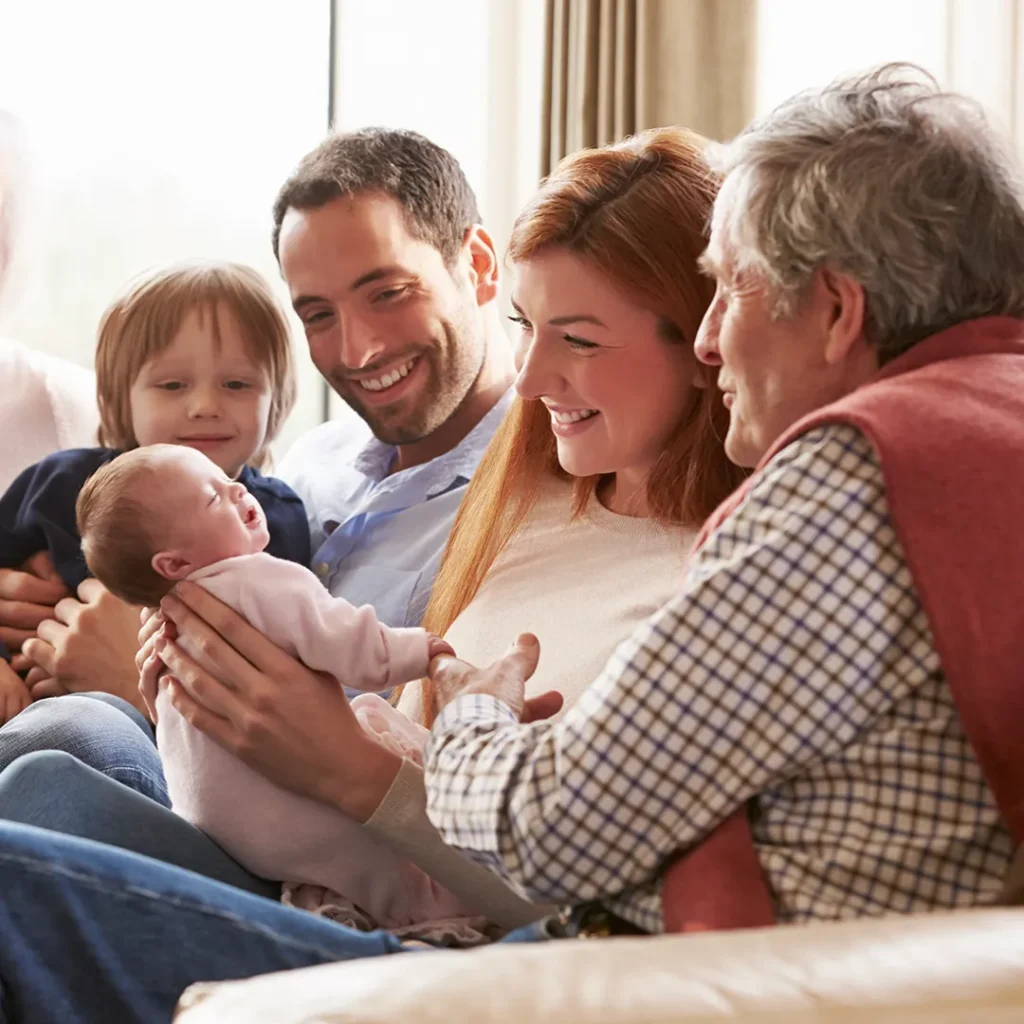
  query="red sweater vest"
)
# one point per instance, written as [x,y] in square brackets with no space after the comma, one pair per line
[946,420]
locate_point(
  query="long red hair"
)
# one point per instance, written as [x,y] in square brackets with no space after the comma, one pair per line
[638,212]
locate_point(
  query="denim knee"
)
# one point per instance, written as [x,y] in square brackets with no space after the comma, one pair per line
[120,704]
[101,731]
[43,771]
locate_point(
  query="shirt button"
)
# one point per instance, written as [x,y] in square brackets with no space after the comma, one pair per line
[321,569]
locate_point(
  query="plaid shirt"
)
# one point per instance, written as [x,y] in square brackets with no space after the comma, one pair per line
[795,668]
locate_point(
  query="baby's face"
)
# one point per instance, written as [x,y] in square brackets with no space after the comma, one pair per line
[206,515]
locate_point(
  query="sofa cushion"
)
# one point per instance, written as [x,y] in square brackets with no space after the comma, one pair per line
[965,967]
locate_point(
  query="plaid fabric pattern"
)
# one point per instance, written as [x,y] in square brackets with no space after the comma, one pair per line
[796,668]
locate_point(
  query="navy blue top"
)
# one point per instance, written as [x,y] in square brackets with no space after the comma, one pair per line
[38,513]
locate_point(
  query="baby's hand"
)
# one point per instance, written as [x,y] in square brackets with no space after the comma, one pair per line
[436,646]
[14,694]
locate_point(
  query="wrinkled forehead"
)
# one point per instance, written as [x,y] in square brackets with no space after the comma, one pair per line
[720,255]
[728,204]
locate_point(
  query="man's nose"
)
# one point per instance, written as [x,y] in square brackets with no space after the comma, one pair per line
[360,342]
[706,345]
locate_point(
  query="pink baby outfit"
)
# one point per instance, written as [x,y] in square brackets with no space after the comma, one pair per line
[272,832]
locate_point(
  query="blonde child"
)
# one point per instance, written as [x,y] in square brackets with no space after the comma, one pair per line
[197,355]
[161,514]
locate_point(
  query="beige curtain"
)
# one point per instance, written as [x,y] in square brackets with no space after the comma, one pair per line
[615,67]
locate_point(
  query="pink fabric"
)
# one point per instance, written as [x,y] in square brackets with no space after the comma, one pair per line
[278,834]
[323,632]
[390,727]
[947,422]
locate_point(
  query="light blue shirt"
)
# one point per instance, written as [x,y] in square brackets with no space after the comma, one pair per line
[377,539]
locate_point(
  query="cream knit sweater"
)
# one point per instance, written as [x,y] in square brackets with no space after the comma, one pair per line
[581,586]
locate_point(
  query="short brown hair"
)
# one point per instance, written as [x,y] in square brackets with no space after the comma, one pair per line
[143,320]
[115,527]
[425,180]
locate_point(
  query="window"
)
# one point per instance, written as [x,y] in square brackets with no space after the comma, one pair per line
[971,46]
[156,132]
[160,132]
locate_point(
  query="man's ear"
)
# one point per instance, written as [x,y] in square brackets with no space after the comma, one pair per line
[171,565]
[484,267]
[845,311]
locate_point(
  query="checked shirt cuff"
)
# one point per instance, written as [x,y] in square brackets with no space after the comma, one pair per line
[471,709]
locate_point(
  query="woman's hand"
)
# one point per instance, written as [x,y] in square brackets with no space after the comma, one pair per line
[290,724]
[505,679]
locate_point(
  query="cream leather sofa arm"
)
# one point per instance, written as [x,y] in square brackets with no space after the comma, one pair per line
[958,968]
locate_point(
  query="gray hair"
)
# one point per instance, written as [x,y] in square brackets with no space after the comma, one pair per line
[886,178]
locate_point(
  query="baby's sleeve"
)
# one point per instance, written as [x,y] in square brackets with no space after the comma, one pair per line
[330,635]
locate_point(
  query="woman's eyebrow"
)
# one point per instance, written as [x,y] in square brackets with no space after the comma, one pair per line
[576,318]
[562,321]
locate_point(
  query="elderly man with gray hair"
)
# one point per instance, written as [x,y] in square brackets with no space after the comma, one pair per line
[825,720]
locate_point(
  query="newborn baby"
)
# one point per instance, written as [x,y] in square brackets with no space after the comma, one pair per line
[157,515]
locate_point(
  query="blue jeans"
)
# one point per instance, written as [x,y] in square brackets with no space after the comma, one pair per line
[59,760]
[102,731]
[53,790]
[89,933]
[117,929]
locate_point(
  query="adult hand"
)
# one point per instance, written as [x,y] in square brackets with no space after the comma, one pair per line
[292,725]
[89,644]
[505,679]
[14,695]
[41,684]
[27,597]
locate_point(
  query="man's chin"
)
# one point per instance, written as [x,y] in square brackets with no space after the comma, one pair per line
[405,422]
[399,434]
[740,450]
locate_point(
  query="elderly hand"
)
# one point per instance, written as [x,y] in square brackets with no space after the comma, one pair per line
[505,679]
[27,597]
[292,725]
[89,644]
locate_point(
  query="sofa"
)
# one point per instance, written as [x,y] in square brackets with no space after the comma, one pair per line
[965,967]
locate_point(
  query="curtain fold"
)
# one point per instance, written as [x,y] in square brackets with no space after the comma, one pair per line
[615,67]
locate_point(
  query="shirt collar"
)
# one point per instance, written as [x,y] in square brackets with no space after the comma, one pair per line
[374,459]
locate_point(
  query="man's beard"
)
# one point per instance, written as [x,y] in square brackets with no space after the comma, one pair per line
[451,371]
